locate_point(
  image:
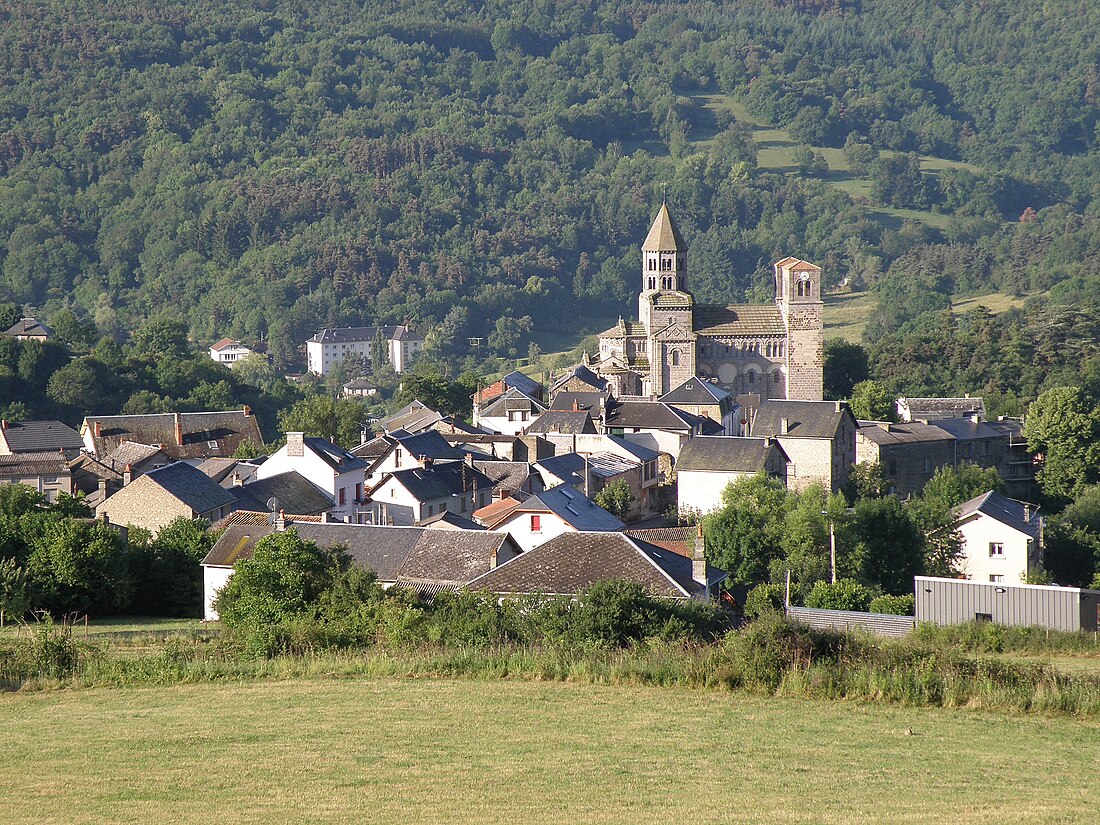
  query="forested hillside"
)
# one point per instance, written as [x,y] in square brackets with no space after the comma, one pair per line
[258,170]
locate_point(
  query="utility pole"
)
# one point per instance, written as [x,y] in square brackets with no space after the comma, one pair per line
[832,544]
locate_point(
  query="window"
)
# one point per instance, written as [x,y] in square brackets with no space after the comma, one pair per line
[996,549]
[676,358]
[776,376]
[397,457]
[652,265]
[462,504]
[430,508]
[983,617]
[996,579]
[358,492]
[536,524]
[893,467]
[752,376]
[343,495]
[927,465]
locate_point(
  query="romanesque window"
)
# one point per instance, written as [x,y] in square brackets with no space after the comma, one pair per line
[652,264]
[752,376]
[652,283]
[776,377]
[676,358]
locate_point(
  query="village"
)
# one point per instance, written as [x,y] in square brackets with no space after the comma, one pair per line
[604,474]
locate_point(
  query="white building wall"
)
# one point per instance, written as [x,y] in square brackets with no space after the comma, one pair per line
[702,489]
[213,580]
[503,426]
[320,474]
[978,533]
[518,526]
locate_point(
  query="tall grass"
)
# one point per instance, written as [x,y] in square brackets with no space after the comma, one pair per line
[769,657]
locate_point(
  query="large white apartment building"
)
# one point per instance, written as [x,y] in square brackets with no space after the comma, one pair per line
[331,346]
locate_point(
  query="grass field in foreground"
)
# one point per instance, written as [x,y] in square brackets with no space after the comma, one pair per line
[435,751]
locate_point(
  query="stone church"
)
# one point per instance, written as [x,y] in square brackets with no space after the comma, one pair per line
[771,350]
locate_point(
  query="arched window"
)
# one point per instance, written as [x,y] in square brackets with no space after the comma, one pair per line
[801,288]
[652,283]
[676,358]
[752,376]
[776,377]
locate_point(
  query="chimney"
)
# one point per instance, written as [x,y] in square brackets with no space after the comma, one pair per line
[1027,512]
[97,429]
[127,475]
[237,480]
[587,476]
[836,406]
[424,461]
[784,426]
[179,429]
[493,560]
[499,494]
[576,405]
[295,445]
[102,490]
[325,518]
[247,410]
[280,522]
[699,558]
[4,424]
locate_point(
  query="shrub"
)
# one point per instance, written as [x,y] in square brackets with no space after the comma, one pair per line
[764,598]
[846,594]
[896,605]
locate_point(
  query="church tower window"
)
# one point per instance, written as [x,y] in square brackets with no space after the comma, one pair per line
[752,376]
[676,358]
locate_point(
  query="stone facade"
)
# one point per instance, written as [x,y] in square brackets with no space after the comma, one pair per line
[774,351]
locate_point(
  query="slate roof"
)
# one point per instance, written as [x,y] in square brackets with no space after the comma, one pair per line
[911,432]
[725,454]
[293,491]
[205,434]
[738,321]
[650,415]
[416,557]
[931,409]
[696,391]
[452,519]
[561,421]
[572,562]
[350,335]
[510,399]
[189,485]
[572,507]
[334,455]
[438,480]
[34,464]
[805,419]
[36,436]
[524,383]
[582,373]
[360,384]
[680,540]
[31,327]
[664,235]
[569,467]
[1006,510]
[413,417]
[226,471]
[87,472]
[513,476]
[130,453]
[589,402]
[963,429]
[428,444]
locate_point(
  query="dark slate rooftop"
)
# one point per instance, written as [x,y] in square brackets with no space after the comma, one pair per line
[49,463]
[696,391]
[725,454]
[589,402]
[511,399]
[414,416]
[561,421]
[932,409]
[572,562]
[37,436]
[511,475]
[191,486]
[649,415]
[130,453]
[582,373]
[569,467]
[29,326]
[349,335]
[572,507]
[439,480]
[334,455]
[417,557]
[449,519]
[205,434]
[886,433]
[964,429]
[1018,515]
[293,492]
[805,419]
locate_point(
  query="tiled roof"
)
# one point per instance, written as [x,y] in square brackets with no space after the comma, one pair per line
[450,519]
[36,436]
[439,480]
[914,432]
[34,464]
[189,485]
[561,421]
[494,512]
[29,326]
[963,429]
[291,490]
[575,509]
[1018,515]
[205,434]
[664,235]
[223,343]
[334,455]
[696,391]
[511,475]
[130,453]
[652,415]
[354,335]
[414,416]
[738,321]
[569,467]
[934,408]
[511,399]
[805,419]
[680,540]
[573,562]
[417,557]
[589,402]
[724,454]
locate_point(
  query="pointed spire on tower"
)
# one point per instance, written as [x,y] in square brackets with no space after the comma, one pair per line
[664,236]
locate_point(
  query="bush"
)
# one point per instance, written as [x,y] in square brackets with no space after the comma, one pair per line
[846,594]
[764,598]
[895,605]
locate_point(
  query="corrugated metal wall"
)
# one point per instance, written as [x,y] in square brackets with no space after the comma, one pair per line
[881,624]
[954,601]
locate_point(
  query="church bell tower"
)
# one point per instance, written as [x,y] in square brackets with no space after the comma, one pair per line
[664,263]
[798,296]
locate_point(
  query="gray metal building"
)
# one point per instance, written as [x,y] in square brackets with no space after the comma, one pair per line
[954,601]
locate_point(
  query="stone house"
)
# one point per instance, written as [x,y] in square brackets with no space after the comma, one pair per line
[157,498]
[47,473]
[406,497]
[708,465]
[189,436]
[819,438]
[909,453]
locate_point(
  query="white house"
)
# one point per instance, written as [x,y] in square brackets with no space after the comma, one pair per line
[709,463]
[407,497]
[332,469]
[551,513]
[400,450]
[229,352]
[331,346]
[1001,538]
[510,413]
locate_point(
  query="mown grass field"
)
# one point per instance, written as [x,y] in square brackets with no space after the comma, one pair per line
[846,313]
[442,750]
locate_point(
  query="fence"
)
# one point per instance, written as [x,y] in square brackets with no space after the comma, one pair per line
[881,624]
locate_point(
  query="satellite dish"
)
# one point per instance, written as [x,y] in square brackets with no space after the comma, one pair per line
[273,504]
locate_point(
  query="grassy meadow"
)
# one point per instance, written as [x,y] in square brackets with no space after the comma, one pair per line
[436,750]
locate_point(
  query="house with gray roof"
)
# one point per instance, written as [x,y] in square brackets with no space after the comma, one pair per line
[47,472]
[93,480]
[136,459]
[709,464]
[819,438]
[330,347]
[515,379]
[290,492]
[511,477]
[29,329]
[653,424]
[705,399]
[589,473]
[909,453]
[400,450]
[157,498]
[39,437]
[933,409]
[406,497]
[976,442]
[422,559]
[570,563]
[329,467]
[558,510]
[567,422]
[414,417]
[1002,538]
[509,413]
[188,436]
[578,379]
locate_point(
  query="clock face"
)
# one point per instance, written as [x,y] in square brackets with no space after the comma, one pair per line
[804,276]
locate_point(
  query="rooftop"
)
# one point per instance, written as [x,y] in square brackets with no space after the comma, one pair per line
[293,493]
[1019,515]
[664,235]
[725,454]
[912,432]
[190,485]
[805,419]
[575,509]
[350,335]
[202,434]
[35,436]
[739,321]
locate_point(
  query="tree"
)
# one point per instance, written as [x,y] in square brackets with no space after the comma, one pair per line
[954,485]
[846,594]
[167,571]
[616,497]
[872,401]
[889,549]
[1063,427]
[161,338]
[79,566]
[78,333]
[1072,540]
[283,580]
[939,529]
[868,480]
[425,382]
[845,366]
[746,534]
[336,419]
[14,600]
